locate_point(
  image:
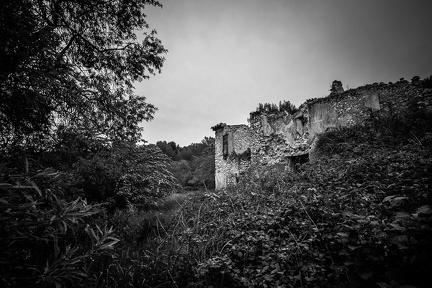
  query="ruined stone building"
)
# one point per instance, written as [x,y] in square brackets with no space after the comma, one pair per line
[281,137]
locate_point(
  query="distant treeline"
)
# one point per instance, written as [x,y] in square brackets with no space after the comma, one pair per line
[192,165]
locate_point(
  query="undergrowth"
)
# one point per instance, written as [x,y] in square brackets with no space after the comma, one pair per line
[359,215]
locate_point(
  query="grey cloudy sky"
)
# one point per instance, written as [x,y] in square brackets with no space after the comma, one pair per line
[227,56]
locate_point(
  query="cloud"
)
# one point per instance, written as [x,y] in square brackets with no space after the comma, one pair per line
[225,57]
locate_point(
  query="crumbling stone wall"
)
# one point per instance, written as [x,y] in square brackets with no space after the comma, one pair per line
[279,137]
[240,140]
[354,106]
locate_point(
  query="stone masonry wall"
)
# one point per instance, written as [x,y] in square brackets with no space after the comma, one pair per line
[277,137]
[240,139]
[353,106]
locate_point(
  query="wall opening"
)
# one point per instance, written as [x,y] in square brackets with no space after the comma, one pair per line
[225,146]
[297,161]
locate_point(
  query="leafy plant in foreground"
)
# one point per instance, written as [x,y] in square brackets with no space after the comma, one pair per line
[48,241]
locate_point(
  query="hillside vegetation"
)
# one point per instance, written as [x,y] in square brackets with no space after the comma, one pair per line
[358,215]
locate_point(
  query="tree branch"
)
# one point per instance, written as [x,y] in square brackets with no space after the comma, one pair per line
[66,47]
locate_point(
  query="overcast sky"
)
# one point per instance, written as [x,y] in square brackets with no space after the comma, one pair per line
[227,56]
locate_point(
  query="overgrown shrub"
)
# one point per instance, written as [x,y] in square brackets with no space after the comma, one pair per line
[125,175]
[47,241]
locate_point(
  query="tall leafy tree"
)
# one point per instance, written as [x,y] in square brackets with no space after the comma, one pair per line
[73,63]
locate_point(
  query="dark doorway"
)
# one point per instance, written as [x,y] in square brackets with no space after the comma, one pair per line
[297,161]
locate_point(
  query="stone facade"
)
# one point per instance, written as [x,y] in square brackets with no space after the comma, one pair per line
[280,137]
[232,152]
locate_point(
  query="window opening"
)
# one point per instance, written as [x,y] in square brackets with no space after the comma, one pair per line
[225,146]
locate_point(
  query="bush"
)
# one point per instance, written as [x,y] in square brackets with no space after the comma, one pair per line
[47,241]
[126,175]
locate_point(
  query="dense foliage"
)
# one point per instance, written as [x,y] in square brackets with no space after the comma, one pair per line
[46,241]
[125,175]
[70,135]
[358,215]
[73,63]
[67,99]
